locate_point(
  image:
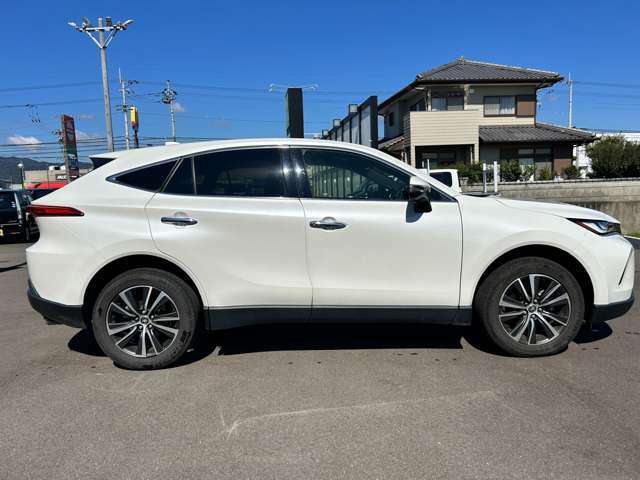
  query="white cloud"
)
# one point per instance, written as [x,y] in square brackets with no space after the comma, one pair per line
[177,107]
[85,116]
[16,139]
[80,135]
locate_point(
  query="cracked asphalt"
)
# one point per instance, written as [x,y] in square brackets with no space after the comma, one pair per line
[310,402]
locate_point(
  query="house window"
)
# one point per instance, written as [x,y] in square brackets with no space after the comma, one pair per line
[450,101]
[540,157]
[391,119]
[500,106]
[419,106]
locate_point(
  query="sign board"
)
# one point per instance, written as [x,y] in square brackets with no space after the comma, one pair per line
[70,148]
[359,126]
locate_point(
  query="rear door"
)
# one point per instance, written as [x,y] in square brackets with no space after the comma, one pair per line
[230,218]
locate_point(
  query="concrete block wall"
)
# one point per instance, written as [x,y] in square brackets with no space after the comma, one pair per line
[619,198]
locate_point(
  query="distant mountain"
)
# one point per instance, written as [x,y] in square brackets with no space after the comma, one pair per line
[9,167]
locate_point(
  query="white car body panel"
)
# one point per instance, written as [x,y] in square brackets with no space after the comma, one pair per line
[250,251]
[245,251]
[384,256]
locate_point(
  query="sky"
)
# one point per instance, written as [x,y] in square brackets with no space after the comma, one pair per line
[223,56]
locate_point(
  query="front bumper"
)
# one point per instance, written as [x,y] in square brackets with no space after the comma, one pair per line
[70,315]
[601,313]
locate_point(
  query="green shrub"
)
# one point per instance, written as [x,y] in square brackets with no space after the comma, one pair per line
[571,172]
[472,171]
[510,170]
[614,157]
[545,174]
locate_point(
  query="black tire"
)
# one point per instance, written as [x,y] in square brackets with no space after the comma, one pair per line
[487,307]
[184,300]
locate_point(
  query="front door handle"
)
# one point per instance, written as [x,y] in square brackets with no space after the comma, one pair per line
[327,223]
[181,221]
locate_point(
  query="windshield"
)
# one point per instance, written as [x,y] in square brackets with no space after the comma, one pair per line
[7,200]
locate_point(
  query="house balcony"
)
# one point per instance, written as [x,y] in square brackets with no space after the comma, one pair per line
[442,128]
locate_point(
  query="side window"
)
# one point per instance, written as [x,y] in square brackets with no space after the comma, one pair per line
[240,173]
[181,182]
[335,174]
[147,178]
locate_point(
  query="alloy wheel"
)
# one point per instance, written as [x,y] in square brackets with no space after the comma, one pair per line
[534,309]
[142,321]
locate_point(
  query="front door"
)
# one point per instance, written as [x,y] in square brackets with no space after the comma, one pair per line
[229,218]
[366,247]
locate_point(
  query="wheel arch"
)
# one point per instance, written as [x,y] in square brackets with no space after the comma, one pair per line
[556,254]
[122,264]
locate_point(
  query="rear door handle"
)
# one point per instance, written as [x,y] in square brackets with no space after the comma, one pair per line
[181,221]
[327,223]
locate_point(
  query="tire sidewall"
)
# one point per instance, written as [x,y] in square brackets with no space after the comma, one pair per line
[502,277]
[184,300]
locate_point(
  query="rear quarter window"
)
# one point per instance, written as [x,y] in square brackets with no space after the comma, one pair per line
[7,200]
[146,178]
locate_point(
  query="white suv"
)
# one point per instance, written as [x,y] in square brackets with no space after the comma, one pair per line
[161,242]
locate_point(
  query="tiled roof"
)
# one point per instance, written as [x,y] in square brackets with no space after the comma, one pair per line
[392,144]
[540,132]
[469,70]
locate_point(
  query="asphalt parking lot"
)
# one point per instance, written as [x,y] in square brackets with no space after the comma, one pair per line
[312,402]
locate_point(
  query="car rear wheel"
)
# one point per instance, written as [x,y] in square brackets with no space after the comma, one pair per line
[145,318]
[531,307]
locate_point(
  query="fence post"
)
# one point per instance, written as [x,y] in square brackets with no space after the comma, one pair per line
[496,172]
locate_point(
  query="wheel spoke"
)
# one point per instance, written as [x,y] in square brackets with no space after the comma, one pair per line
[119,327]
[142,342]
[161,296]
[552,332]
[512,314]
[532,283]
[171,318]
[555,318]
[549,291]
[125,298]
[510,304]
[523,290]
[517,332]
[563,297]
[127,336]
[147,298]
[172,331]
[154,341]
[532,331]
[122,310]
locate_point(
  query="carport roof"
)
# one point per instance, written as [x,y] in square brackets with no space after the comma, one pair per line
[538,132]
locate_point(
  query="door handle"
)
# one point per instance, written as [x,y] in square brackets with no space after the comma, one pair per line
[181,221]
[327,223]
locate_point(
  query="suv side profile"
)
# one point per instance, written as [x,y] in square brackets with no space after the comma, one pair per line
[159,243]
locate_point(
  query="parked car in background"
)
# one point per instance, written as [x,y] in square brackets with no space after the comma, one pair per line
[448,176]
[162,242]
[15,221]
[37,193]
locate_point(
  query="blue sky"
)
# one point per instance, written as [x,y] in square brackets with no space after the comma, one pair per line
[349,49]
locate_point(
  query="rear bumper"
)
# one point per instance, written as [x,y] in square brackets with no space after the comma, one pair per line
[70,315]
[600,313]
[11,229]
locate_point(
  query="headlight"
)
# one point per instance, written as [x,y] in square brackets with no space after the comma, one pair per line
[601,227]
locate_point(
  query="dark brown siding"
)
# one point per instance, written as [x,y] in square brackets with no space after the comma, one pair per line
[562,157]
[526,106]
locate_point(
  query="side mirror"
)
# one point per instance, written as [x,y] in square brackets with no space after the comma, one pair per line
[419,191]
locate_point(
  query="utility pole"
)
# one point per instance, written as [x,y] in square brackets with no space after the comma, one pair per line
[570,82]
[102,44]
[125,108]
[168,98]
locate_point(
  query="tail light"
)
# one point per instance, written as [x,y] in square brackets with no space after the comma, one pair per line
[53,211]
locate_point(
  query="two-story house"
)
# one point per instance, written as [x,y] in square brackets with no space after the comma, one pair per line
[468,111]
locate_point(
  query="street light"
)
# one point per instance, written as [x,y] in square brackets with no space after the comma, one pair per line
[21,167]
[111,29]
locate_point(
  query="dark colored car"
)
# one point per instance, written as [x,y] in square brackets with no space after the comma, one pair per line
[15,222]
[37,193]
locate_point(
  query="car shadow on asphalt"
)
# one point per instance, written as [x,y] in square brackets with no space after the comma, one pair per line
[298,337]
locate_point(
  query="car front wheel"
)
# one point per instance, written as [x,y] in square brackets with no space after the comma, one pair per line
[145,318]
[531,307]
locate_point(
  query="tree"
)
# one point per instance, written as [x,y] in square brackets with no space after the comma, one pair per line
[614,157]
